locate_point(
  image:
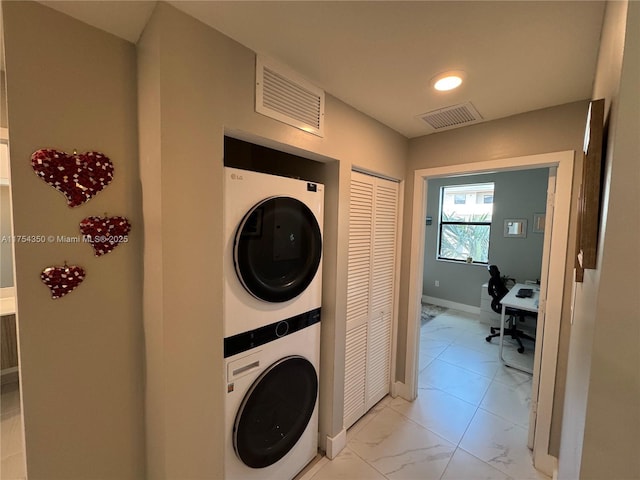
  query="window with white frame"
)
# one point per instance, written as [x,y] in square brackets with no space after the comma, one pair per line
[465,222]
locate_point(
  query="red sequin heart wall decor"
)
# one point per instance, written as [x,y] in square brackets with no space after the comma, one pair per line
[62,279]
[105,233]
[78,176]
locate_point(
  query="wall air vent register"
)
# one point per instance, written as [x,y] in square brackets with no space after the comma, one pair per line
[285,96]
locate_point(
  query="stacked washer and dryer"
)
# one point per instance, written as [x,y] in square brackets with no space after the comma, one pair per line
[272,298]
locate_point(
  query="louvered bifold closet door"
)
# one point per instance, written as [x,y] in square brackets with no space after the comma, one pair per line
[358,295]
[382,290]
[370,292]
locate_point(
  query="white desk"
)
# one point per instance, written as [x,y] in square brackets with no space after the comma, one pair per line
[7,301]
[530,304]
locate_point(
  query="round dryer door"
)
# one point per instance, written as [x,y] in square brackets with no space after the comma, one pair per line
[275,412]
[277,249]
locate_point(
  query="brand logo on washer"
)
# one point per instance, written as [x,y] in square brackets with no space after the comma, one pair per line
[236,177]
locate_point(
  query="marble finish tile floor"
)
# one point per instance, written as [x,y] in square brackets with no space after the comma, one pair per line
[11,446]
[469,422]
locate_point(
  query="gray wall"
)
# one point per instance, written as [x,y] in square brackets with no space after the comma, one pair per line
[517,194]
[6,256]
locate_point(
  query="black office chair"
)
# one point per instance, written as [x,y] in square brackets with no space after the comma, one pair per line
[498,290]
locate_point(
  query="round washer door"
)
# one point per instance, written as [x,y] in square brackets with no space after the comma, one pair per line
[277,249]
[275,412]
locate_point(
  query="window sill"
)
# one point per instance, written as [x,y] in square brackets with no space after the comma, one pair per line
[462,262]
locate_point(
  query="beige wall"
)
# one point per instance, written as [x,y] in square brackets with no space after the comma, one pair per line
[153,305]
[71,86]
[553,129]
[601,427]
[3,105]
[195,85]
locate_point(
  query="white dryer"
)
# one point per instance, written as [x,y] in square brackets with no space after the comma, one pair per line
[271,403]
[273,249]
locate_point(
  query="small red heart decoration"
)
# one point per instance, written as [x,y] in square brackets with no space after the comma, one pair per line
[105,233]
[78,177]
[62,280]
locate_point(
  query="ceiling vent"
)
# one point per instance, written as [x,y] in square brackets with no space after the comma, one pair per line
[283,95]
[452,117]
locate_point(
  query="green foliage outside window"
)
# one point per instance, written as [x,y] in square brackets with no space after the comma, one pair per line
[460,241]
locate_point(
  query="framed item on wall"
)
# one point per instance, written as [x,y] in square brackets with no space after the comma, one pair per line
[590,190]
[515,227]
[538,222]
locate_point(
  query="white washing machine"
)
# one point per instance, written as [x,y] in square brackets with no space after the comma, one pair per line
[271,405]
[273,249]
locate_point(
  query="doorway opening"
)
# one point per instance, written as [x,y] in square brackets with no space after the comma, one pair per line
[551,282]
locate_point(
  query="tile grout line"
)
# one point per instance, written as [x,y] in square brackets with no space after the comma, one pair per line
[477,408]
[493,381]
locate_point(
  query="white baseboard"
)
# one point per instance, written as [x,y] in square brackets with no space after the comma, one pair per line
[547,464]
[400,389]
[336,444]
[448,304]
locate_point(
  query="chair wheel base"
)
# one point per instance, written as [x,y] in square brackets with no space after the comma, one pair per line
[520,349]
[488,339]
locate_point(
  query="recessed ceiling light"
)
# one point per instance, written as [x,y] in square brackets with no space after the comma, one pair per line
[447,81]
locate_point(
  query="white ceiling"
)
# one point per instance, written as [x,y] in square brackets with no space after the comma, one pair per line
[380,56]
